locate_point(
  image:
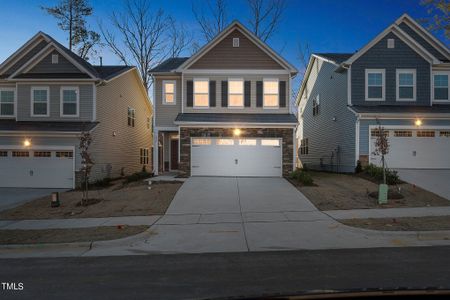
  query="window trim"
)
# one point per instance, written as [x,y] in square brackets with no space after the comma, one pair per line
[397,84]
[144,156]
[164,102]
[61,101]
[193,93]
[39,88]
[278,93]
[383,84]
[10,89]
[229,93]
[432,86]
[133,116]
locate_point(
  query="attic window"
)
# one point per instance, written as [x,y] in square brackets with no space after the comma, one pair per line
[391,43]
[235,42]
[55,58]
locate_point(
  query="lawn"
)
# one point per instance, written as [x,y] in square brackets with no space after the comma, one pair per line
[345,191]
[119,199]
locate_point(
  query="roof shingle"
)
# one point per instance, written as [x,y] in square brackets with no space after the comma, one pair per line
[169,65]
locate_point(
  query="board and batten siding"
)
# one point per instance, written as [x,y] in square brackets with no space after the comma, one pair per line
[326,136]
[165,114]
[115,145]
[46,65]
[252,109]
[26,57]
[399,57]
[24,102]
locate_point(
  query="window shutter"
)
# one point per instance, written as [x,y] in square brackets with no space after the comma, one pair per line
[224,93]
[212,93]
[247,94]
[282,93]
[190,93]
[259,94]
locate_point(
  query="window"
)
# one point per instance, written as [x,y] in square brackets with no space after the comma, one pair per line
[376,133]
[403,133]
[169,87]
[425,133]
[225,142]
[444,133]
[6,102]
[201,93]
[144,156]
[406,85]
[63,154]
[304,146]
[197,141]
[39,101]
[440,87]
[69,101]
[131,116]
[235,93]
[270,88]
[247,142]
[3,153]
[235,42]
[20,154]
[42,154]
[375,83]
[316,106]
[270,142]
[55,58]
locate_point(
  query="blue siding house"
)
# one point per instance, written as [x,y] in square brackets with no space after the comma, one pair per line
[399,81]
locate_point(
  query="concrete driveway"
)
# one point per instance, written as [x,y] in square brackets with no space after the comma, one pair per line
[12,197]
[436,181]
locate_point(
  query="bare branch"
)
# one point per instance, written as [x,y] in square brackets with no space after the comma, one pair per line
[211,26]
[265,17]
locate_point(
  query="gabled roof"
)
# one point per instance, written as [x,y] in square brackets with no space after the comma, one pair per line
[169,65]
[109,72]
[336,58]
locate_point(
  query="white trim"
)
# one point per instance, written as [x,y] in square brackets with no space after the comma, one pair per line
[404,116]
[182,93]
[9,89]
[229,93]
[235,72]
[234,125]
[383,86]
[193,92]
[163,100]
[411,127]
[155,151]
[61,101]
[52,81]
[448,86]
[171,138]
[357,132]
[34,41]
[94,104]
[179,147]
[294,145]
[278,93]
[159,128]
[39,133]
[32,89]
[33,61]
[397,84]
[325,59]
[349,86]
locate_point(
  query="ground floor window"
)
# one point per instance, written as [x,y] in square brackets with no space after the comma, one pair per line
[304,144]
[144,156]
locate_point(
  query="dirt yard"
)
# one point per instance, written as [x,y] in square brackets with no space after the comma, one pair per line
[133,199]
[401,224]
[8,237]
[341,191]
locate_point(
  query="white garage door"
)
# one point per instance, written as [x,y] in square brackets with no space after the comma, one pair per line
[415,149]
[36,168]
[259,157]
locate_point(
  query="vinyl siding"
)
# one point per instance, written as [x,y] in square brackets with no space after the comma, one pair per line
[24,102]
[166,114]
[400,57]
[112,153]
[324,135]
[41,45]
[46,66]
[246,56]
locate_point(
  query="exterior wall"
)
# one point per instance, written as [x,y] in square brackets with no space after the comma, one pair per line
[246,56]
[41,45]
[331,143]
[46,66]
[400,57]
[112,153]
[24,102]
[187,132]
[166,114]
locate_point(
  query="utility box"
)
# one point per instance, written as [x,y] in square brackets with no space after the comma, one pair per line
[55,199]
[383,193]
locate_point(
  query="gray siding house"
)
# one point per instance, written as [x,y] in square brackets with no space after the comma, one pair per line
[225,111]
[48,96]
[399,81]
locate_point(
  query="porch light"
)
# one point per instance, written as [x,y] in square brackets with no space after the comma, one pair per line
[418,122]
[237,132]
[27,143]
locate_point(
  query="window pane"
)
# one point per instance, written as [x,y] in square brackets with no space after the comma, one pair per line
[201,86]
[247,142]
[169,88]
[7,109]
[375,79]
[40,95]
[236,86]
[406,79]
[270,142]
[7,97]
[270,87]
[201,100]
[69,109]
[271,100]
[236,100]
[441,93]
[69,96]
[225,142]
[406,92]
[201,141]
[169,98]
[375,92]
[40,108]
[441,80]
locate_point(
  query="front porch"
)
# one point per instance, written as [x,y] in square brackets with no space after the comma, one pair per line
[166,157]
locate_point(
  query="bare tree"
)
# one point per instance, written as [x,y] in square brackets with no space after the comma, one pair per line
[303,56]
[382,147]
[439,11]
[86,163]
[179,38]
[265,17]
[213,20]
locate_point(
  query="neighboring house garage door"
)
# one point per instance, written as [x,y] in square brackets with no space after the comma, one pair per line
[36,168]
[415,149]
[259,157]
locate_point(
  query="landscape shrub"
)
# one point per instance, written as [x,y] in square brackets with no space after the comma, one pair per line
[302,176]
[377,174]
[137,176]
[358,168]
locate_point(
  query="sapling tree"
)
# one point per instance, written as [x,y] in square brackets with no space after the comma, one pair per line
[86,163]
[382,148]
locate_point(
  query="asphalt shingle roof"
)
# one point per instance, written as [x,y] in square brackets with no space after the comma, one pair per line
[169,65]
[336,57]
[108,72]
[236,118]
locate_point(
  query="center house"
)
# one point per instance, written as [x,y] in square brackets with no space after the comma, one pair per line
[225,111]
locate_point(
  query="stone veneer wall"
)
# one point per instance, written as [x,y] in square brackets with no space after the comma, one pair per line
[187,132]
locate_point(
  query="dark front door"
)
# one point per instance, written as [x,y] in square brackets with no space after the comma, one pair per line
[174,154]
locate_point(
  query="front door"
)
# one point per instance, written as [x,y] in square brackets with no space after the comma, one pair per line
[174,154]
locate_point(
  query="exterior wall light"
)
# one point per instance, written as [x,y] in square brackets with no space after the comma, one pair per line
[418,122]
[27,143]
[237,132]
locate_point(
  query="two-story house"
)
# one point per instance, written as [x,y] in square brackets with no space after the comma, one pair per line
[48,97]
[225,111]
[399,81]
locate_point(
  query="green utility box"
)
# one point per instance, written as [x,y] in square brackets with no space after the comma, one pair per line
[383,193]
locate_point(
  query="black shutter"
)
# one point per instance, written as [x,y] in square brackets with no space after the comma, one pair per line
[224,93]
[247,94]
[190,93]
[282,92]
[212,93]
[259,94]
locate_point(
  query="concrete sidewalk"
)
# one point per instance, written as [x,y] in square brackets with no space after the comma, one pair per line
[389,212]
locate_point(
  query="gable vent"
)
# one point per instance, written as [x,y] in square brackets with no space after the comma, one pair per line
[391,43]
[235,42]
[55,58]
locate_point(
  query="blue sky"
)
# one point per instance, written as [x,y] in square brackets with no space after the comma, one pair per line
[327,26]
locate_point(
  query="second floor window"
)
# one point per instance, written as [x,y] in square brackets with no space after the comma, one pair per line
[375,84]
[169,92]
[6,102]
[131,116]
[406,85]
[69,101]
[40,101]
[440,87]
[201,93]
[316,106]
[270,88]
[236,93]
